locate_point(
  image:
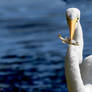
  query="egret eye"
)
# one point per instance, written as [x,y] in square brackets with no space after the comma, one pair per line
[67,18]
[77,19]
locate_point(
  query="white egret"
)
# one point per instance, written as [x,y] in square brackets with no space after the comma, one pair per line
[78,71]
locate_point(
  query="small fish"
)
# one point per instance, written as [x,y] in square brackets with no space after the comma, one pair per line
[66,40]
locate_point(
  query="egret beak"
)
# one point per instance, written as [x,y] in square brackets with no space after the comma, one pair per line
[71,24]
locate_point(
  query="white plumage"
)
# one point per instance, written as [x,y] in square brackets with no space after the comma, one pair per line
[78,71]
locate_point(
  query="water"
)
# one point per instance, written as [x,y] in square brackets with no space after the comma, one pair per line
[31,54]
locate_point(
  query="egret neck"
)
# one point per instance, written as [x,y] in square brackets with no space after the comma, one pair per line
[73,59]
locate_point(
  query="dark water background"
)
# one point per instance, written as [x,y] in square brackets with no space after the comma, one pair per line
[31,54]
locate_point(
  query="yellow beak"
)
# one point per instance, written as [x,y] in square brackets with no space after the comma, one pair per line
[71,24]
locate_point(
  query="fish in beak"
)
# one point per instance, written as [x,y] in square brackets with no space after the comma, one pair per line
[71,24]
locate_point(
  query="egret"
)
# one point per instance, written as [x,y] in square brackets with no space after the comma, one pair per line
[78,72]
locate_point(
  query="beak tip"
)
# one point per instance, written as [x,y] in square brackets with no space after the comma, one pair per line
[70,39]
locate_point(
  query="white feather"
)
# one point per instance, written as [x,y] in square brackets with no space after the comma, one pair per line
[78,72]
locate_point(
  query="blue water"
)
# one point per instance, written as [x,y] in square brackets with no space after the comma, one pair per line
[31,54]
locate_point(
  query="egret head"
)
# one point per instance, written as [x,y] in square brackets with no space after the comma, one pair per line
[73,16]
